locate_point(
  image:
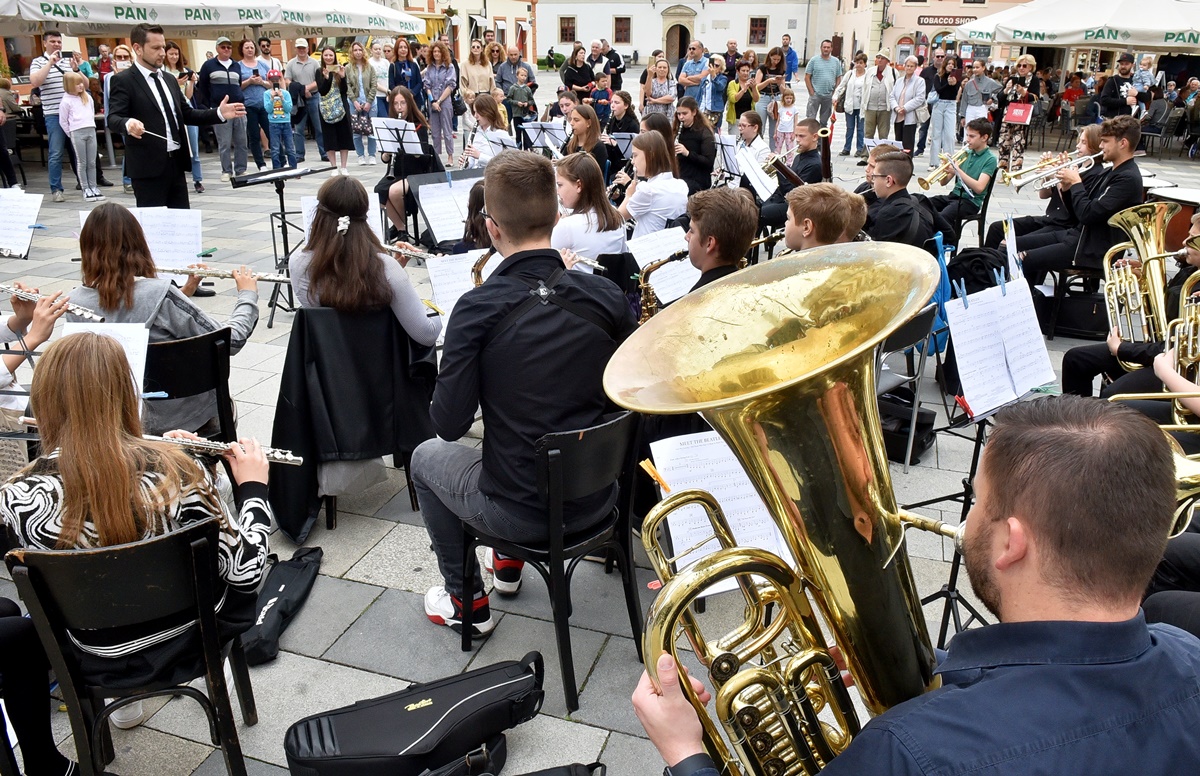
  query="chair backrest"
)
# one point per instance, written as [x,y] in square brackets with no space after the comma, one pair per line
[118,587]
[1081,106]
[193,366]
[591,459]
[987,198]
[1173,119]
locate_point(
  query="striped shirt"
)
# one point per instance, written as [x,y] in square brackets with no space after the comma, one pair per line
[51,90]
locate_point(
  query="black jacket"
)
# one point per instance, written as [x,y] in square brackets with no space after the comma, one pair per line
[325,414]
[1094,203]
[696,168]
[898,219]
[1111,101]
[807,166]
[129,97]
[538,376]
[627,123]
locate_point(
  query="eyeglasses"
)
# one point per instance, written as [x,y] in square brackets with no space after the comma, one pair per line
[873,175]
[483,213]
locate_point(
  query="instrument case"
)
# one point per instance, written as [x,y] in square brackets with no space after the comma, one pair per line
[427,726]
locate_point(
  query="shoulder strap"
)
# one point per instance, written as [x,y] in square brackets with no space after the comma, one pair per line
[542,292]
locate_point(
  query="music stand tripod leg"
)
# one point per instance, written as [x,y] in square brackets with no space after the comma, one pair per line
[273,303]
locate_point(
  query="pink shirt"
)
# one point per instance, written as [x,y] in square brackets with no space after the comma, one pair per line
[73,114]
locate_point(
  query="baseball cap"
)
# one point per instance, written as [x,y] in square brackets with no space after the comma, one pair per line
[301,42]
[223,39]
[1126,57]
[274,75]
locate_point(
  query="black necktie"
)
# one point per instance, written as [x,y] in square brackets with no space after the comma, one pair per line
[168,106]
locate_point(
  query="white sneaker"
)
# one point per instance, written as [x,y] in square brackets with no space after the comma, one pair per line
[335,172]
[345,171]
[60,197]
[129,716]
[225,177]
[371,160]
[362,161]
[442,609]
[261,168]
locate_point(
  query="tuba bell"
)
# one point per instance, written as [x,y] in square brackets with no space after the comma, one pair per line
[780,360]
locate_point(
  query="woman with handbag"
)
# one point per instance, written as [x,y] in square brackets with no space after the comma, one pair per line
[848,99]
[1020,89]
[908,105]
[335,116]
[360,85]
[440,79]
[406,71]
[947,84]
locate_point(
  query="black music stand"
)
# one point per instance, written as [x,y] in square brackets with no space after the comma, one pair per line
[954,601]
[404,139]
[279,178]
[415,182]
[729,161]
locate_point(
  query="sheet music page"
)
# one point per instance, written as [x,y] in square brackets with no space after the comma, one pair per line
[174,236]
[134,339]
[982,364]
[500,140]
[704,461]
[557,132]
[670,281]
[533,131]
[764,185]
[450,277]
[389,131]
[727,154]
[1024,346]
[440,202]
[1010,245]
[20,212]
[625,143]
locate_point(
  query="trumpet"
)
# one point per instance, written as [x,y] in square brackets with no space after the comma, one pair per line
[770,166]
[1008,178]
[29,296]
[1049,177]
[206,446]
[767,241]
[408,253]
[650,302]
[227,274]
[942,175]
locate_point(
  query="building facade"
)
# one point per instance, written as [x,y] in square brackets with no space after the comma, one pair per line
[637,28]
[916,26]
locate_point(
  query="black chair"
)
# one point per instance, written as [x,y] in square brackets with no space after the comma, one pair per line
[571,465]
[191,367]
[1167,136]
[979,218]
[136,587]
[905,339]
[10,143]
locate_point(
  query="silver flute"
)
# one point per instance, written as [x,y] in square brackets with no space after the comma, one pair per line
[410,254]
[261,277]
[206,446]
[30,296]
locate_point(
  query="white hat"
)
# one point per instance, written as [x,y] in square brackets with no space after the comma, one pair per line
[301,42]
[886,53]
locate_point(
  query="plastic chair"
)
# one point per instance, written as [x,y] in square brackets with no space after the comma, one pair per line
[905,339]
[979,218]
[571,465]
[192,367]
[134,586]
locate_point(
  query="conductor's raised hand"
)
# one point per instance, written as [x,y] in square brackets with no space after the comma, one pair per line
[245,279]
[247,461]
[231,110]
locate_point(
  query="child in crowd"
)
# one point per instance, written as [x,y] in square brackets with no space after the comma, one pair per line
[498,96]
[520,102]
[278,104]
[77,116]
[785,130]
[602,99]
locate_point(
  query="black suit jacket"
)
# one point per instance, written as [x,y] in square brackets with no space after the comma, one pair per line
[129,97]
[898,219]
[1098,199]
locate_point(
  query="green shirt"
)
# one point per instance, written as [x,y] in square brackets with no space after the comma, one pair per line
[977,163]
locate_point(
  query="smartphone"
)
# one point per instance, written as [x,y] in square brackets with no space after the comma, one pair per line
[67,55]
[957,73]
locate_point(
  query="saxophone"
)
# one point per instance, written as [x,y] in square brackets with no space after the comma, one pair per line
[650,303]
[477,268]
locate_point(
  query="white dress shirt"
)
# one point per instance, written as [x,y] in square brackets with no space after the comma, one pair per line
[654,201]
[578,232]
[148,74]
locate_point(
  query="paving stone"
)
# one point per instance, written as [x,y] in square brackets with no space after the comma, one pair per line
[344,546]
[626,755]
[332,606]
[287,689]
[546,741]
[215,766]
[516,636]
[146,752]
[401,561]
[394,637]
[399,509]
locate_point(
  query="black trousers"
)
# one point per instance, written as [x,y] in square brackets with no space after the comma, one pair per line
[24,669]
[1021,226]
[1046,250]
[6,166]
[906,134]
[1173,596]
[166,189]
[954,210]
[1083,364]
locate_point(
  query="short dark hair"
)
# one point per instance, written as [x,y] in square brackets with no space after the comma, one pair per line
[138,35]
[521,194]
[982,126]
[729,215]
[51,34]
[812,125]
[1122,127]
[1052,462]
[897,164]
[263,38]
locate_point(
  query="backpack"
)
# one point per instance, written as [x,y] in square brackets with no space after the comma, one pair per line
[333,107]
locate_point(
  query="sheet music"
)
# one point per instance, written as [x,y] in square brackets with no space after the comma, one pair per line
[670,281]
[174,236]
[20,212]
[308,207]
[1000,350]
[625,142]
[557,131]
[704,461]
[445,208]
[450,277]
[727,154]
[500,140]
[764,185]
[533,131]
[1010,244]
[396,135]
[134,339]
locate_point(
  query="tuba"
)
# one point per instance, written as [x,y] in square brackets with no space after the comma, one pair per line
[780,360]
[650,303]
[1137,306]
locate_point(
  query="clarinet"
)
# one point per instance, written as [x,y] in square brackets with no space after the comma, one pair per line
[616,191]
[462,160]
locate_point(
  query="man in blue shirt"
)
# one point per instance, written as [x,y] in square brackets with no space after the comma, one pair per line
[1072,681]
[693,70]
[790,58]
[821,76]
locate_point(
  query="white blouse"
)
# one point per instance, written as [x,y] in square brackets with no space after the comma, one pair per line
[579,233]
[654,201]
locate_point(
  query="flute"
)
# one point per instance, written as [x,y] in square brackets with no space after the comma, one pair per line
[261,277]
[206,446]
[410,254]
[30,296]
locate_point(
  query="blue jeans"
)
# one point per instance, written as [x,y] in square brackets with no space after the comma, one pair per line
[281,145]
[941,130]
[310,114]
[58,142]
[764,113]
[358,139]
[194,138]
[256,120]
[854,129]
[381,107]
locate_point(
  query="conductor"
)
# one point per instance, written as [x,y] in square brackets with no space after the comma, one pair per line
[146,105]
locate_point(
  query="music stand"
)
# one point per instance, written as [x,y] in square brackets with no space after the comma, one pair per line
[415,182]
[279,178]
[399,138]
[731,170]
[535,132]
[625,143]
